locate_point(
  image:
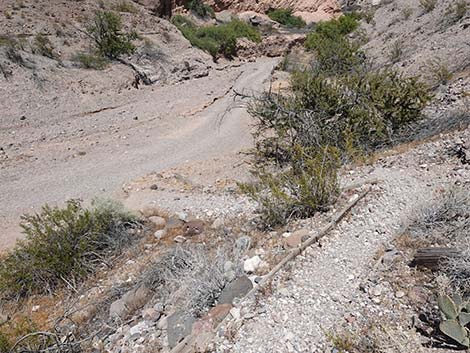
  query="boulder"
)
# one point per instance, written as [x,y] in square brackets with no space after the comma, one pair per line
[179,326]
[238,288]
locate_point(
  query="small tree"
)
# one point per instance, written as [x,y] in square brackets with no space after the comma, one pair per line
[110,41]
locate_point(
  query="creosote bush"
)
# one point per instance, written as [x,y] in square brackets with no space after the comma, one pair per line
[337,111]
[13,330]
[308,183]
[334,52]
[216,39]
[286,18]
[199,8]
[62,246]
[108,36]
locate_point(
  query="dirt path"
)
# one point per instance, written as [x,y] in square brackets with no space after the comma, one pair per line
[98,161]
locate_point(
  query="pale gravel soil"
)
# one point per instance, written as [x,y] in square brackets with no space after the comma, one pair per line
[176,124]
[314,294]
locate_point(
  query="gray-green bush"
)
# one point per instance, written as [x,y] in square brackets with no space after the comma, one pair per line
[110,40]
[62,246]
[334,51]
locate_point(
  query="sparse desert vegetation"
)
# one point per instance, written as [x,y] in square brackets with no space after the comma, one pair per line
[63,246]
[285,17]
[294,186]
[219,39]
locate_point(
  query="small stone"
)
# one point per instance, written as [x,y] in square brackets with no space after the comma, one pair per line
[151,315]
[376,300]
[159,234]
[235,289]
[158,222]
[35,308]
[249,315]
[235,312]
[180,239]
[399,294]
[218,223]
[154,187]
[182,216]
[376,291]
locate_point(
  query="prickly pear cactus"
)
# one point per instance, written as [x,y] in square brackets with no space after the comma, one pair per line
[456,316]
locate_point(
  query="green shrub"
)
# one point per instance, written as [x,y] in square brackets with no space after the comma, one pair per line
[216,40]
[110,41]
[43,46]
[428,5]
[125,6]
[62,246]
[286,18]
[308,184]
[333,50]
[199,8]
[91,61]
[356,113]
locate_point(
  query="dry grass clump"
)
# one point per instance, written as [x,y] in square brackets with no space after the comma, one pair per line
[190,276]
[445,221]
[63,246]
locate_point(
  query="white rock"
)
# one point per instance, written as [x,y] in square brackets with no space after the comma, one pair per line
[182,216]
[218,223]
[252,264]
[158,222]
[159,234]
[235,312]
[180,239]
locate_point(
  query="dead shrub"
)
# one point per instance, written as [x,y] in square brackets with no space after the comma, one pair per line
[190,276]
[445,221]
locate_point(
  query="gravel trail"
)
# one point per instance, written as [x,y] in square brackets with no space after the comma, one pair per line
[314,293]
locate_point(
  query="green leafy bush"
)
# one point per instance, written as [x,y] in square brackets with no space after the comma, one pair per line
[286,18]
[91,61]
[62,246]
[322,121]
[307,184]
[216,40]
[199,8]
[110,41]
[356,113]
[333,50]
